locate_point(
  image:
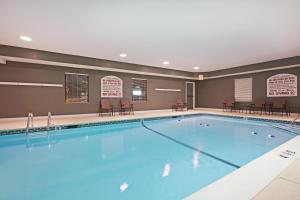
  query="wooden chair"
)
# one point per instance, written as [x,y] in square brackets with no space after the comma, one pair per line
[126,105]
[105,107]
[258,104]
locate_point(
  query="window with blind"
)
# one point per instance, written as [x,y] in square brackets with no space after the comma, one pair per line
[243,90]
[139,89]
[76,88]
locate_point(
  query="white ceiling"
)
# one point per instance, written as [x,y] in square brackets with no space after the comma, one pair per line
[210,34]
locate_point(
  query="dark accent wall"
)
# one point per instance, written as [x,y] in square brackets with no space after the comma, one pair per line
[58,57]
[212,92]
[257,66]
[17,101]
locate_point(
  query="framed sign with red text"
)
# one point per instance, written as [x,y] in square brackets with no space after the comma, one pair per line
[111,87]
[282,85]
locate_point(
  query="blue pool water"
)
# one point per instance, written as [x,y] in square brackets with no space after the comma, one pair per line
[166,159]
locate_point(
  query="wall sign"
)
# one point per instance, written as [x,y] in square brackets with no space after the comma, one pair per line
[282,85]
[111,87]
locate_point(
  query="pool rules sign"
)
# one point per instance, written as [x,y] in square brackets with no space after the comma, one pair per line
[282,85]
[111,87]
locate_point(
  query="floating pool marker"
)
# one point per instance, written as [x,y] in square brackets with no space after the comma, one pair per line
[271,136]
[124,186]
[254,133]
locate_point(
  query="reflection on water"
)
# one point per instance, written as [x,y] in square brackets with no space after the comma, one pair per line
[167,170]
[111,146]
[124,186]
[196,157]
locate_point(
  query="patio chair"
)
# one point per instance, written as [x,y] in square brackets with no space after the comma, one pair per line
[259,105]
[179,105]
[126,105]
[229,103]
[278,105]
[105,107]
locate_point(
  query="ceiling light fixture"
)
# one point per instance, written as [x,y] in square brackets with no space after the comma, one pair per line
[166,62]
[196,68]
[25,38]
[123,55]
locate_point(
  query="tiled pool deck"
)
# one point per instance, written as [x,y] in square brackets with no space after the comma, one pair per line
[283,181]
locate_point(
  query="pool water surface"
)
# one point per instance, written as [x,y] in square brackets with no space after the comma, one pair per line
[158,159]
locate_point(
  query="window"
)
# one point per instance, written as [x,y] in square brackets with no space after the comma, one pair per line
[243,90]
[139,89]
[76,88]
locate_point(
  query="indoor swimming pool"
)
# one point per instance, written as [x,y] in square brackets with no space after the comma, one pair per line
[167,159]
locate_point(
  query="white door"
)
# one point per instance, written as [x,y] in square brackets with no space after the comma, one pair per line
[190,94]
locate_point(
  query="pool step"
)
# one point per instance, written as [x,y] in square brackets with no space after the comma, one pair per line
[289,127]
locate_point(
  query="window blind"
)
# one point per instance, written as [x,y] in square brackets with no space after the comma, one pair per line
[243,90]
[139,90]
[76,88]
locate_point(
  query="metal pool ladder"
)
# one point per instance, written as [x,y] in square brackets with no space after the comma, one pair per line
[33,139]
[49,122]
[294,120]
[31,126]
[29,122]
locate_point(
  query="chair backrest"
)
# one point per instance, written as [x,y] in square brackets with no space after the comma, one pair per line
[125,103]
[259,102]
[229,101]
[179,101]
[105,104]
[278,103]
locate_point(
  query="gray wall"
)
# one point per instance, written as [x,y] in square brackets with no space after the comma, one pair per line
[17,101]
[212,92]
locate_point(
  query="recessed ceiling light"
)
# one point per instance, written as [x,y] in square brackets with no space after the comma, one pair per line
[166,62]
[123,55]
[196,68]
[26,38]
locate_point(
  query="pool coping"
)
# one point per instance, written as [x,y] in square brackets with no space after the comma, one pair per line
[246,182]
[136,119]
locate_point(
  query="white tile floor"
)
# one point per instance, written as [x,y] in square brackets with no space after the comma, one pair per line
[285,186]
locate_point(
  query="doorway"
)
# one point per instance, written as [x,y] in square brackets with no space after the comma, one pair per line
[190,94]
